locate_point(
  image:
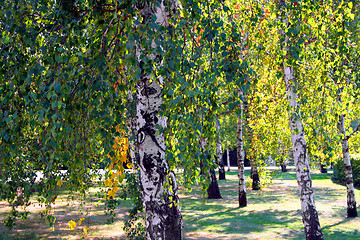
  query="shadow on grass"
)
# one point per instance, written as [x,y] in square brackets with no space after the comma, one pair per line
[238,220]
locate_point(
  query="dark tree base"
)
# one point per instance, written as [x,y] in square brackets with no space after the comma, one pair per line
[242,199]
[256,182]
[323,168]
[222,174]
[351,212]
[283,168]
[213,189]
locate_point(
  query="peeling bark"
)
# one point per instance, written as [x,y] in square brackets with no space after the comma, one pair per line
[241,159]
[351,201]
[308,210]
[161,205]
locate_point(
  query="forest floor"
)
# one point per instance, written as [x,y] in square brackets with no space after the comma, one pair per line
[272,213]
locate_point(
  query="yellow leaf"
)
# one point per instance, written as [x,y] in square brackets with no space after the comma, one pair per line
[59,183]
[108,182]
[85,229]
[80,221]
[72,224]
[129,165]
[115,189]
[111,194]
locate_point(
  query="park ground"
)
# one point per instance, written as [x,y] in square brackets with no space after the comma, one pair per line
[272,213]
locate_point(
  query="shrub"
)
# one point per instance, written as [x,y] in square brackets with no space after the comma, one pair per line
[339,170]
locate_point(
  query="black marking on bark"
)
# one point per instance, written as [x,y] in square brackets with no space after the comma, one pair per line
[150,121]
[148,91]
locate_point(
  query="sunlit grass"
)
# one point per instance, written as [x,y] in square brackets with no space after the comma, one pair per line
[272,213]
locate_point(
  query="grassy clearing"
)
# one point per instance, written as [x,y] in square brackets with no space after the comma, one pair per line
[272,213]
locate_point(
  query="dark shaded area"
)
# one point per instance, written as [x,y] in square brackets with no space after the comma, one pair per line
[233,159]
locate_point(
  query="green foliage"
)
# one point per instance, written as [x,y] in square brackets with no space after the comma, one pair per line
[339,170]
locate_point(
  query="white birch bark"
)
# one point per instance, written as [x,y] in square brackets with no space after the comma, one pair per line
[308,210]
[241,157]
[161,205]
[351,201]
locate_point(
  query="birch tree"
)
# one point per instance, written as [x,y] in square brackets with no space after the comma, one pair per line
[161,204]
[302,164]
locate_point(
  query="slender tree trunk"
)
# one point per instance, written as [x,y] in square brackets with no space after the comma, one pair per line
[308,210]
[228,159]
[241,158]
[251,153]
[351,201]
[219,154]
[161,204]
[282,160]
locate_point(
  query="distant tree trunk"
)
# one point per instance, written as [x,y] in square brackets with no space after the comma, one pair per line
[161,204]
[219,154]
[282,160]
[228,159]
[251,152]
[351,201]
[283,166]
[308,210]
[241,158]
[322,167]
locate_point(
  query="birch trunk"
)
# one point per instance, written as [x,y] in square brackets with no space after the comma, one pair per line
[219,154]
[228,159]
[351,201]
[254,170]
[161,205]
[308,210]
[241,159]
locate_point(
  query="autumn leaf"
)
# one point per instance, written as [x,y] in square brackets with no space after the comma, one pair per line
[80,221]
[111,194]
[108,182]
[85,229]
[72,224]
[59,183]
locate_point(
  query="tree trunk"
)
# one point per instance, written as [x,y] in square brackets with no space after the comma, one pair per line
[213,189]
[254,170]
[219,154]
[322,167]
[241,159]
[308,210]
[161,204]
[228,159]
[351,201]
[283,166]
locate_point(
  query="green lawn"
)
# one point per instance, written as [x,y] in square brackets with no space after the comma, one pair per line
[272,213]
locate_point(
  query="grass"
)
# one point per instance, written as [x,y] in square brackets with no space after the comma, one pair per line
[272,213]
